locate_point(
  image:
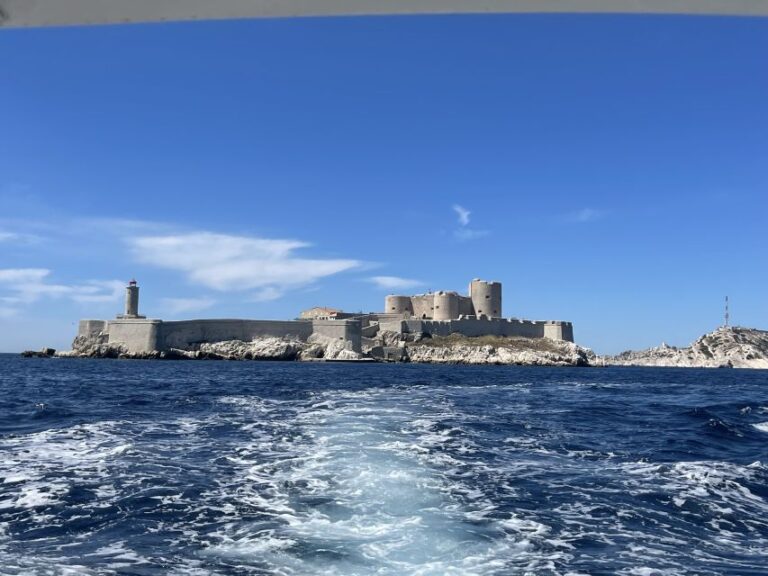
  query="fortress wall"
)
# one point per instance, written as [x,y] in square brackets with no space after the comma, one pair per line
[393,326]
[423,305]
[523,328]
[91,328]
[370,331]
[388,317]
[559,331]
[475,327]
[465,306]
[472,327]
[344,330]
[136,335]
[187,333]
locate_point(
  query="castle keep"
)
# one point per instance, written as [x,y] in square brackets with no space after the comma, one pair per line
[440,313]
[444,313]
[484,301]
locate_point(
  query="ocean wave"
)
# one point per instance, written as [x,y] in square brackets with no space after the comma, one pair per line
[354,472]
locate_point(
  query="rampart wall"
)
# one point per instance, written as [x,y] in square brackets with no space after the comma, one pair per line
[136,335]
[139,335]
[91,328]
[349,331]
[188,333]
[473,327]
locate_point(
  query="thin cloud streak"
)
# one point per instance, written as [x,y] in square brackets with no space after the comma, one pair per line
[19,238]
[586,215]
[465,234]
[229,263]
[25,286]
[394,282]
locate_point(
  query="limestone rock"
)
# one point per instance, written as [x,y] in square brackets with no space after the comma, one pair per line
[334,349]
[266,348]
[43,353]
[498,350]
[730,347]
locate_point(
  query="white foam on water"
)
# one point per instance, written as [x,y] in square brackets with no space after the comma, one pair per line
[31,462]
[103,459]
[380,481]
[717,489]
[365,490]
[762,426]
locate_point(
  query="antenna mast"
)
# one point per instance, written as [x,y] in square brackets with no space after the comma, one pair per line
[727,313]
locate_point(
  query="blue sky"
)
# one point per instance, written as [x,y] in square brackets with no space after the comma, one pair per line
[609,170]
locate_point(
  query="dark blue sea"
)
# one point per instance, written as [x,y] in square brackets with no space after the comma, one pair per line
[245,468]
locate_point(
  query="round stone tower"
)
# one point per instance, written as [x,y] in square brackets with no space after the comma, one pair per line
[398,305]
[486,298]
[132,299]
[446,306]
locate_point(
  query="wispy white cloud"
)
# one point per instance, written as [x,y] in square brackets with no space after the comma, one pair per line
[18,238]
[184,305]
[463,232]
[394,282]
[462,213]
[15,276]
[24,286]
[266,294]
[236,263]
[586,215]
[97,291]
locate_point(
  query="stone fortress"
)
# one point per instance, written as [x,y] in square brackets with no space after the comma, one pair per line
[435,314]
[444,313]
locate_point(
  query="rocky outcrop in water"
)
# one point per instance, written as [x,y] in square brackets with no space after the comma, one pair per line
[265,348]
[43,353]
[387,346]
[498,350]
[729,347]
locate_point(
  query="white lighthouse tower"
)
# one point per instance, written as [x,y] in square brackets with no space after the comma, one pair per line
[131,301]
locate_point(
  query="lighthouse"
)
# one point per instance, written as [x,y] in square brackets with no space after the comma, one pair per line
[131,301]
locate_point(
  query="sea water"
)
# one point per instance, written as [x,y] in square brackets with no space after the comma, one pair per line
[196,468]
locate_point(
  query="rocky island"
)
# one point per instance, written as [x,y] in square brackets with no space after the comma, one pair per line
[386,347]
[726,347]
[436,327]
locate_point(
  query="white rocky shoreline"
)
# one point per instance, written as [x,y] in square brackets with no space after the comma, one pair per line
[727,347]
[387,347]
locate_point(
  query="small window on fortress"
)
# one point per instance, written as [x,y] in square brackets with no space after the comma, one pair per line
[487,296]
